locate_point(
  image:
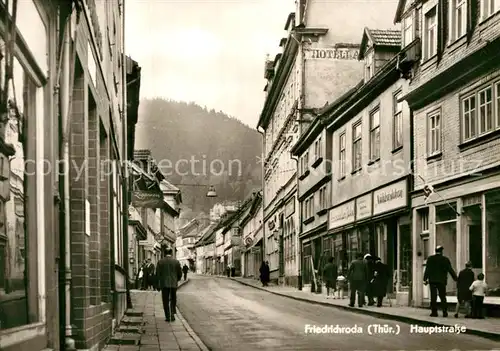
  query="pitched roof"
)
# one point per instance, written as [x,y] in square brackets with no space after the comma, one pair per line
[385,37]
[379,37]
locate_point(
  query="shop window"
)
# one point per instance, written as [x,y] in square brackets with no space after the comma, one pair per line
[423,215]
[446,236]
[352,246]
[492,269]
[18,234]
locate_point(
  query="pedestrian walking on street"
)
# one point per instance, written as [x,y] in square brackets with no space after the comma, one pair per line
[168,273]
[330,277]
[358,277]
[140,278]
[370,263]
[228,270]
[149,275]
[144,282]
[436,275]
[185,270]
[464,294]
[264,273]
[380,280]
[478,288]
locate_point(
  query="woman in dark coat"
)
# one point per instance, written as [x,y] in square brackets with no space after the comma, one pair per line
[464,295]
[264,273]
[380,280]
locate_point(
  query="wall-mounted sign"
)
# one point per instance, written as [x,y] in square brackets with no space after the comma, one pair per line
[147,199]
[363,207]
[248,241]
[332,54]
[390,198]
[290,207]
[341,215]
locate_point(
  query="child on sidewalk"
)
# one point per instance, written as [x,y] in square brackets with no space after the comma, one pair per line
[341,285]
[478,289]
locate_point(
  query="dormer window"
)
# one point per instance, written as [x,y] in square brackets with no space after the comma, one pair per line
[369,69]
[408,30]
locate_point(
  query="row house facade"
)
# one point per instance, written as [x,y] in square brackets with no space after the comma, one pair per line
[251,231]
[316,51]
[204,251]
[354,187]
[228,241]
[152,224]
[452,62]
[65,101]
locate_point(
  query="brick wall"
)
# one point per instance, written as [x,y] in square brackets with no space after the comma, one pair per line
[484,32]
[453,161]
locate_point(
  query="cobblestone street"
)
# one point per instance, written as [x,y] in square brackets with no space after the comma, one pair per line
[227,315]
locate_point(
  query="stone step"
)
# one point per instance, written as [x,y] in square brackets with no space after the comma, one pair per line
[125,339]
[132,321]
[129,329]
[134,313]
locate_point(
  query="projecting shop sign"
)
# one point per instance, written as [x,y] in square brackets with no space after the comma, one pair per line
[147,199]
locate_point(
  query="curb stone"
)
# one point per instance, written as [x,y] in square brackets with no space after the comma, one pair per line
[186,325]
[410,320]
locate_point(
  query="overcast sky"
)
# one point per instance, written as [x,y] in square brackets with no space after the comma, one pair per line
[211,52]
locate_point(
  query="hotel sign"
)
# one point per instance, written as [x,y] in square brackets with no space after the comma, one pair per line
[341,215]
[332,54]
[390,198]
[363,207]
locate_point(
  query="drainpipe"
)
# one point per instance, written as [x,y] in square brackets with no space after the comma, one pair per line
[66,98]
[411,188]
[125,173]
[298,256]
[263,134]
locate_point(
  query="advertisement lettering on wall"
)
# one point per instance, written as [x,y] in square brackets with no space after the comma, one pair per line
[390,197]
[341,215]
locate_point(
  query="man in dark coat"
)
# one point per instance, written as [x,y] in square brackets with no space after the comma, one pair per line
[264,273]
[358,276]
[185,270]
[370,263]
[436,275]
[380,280]
[168,273]
[464,295]
[330,277]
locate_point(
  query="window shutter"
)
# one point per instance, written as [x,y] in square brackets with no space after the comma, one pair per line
[472,14]
[442,15]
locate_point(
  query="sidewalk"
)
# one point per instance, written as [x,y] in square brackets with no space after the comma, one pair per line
[488,328]
[145,329]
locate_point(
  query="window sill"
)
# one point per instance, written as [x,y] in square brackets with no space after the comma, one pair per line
[356,171]
[322,212]
[485,22]
[428,62]
[456,44]
[341,179]
[434,157]
[318,161]
[482,139]
[372,162]
[309,220]
[304,175]
[397,149]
